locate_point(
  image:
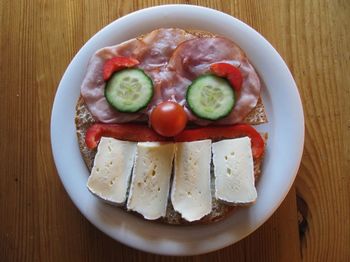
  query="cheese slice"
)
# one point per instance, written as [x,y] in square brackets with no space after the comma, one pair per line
[111,172]
[191,193]
[234,171]
[149,189]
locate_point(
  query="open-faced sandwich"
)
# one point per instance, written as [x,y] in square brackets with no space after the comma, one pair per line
[164,125]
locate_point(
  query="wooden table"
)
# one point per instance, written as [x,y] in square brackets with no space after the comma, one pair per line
[38,221]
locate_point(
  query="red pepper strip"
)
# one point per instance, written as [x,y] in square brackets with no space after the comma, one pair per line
[117,63]
[230,72]
[225,132]
[128,132]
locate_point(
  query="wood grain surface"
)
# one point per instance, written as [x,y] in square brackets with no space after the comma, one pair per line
[38,221]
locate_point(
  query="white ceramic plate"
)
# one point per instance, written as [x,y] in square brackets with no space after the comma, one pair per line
[284,150]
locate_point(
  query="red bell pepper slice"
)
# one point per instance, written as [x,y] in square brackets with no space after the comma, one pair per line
[230,72]
[117,63]
[142,133]
[225,132]
[128,132]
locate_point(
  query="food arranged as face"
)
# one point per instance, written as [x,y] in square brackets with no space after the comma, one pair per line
[167,107]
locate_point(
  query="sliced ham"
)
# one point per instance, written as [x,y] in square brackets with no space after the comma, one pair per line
[161,44]
[93,86]
[194,57]
[153,51]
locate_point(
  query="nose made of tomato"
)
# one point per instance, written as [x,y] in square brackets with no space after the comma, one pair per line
[168,118]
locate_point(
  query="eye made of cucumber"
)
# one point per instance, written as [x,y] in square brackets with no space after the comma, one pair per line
[129,90]
[210,97]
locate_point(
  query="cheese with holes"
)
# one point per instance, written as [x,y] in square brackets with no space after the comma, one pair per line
[111,172]
[149,189]
[191,193]
[234,171]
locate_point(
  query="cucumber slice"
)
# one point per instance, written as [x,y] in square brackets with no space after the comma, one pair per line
[129,90]
[210,97]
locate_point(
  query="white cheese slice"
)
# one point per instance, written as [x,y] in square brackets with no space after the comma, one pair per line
[149,189]
[191,193]
[111,172]
[234,171]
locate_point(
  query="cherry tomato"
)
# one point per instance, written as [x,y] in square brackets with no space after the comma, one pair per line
[168,118]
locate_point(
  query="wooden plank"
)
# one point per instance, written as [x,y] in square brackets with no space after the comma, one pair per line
[321,55]
[18,199]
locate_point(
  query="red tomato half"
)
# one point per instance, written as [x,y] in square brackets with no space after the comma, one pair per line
[168,118]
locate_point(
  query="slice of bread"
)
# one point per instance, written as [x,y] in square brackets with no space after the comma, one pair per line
[84,119]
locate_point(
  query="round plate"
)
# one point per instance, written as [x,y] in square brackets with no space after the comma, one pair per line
[284,148]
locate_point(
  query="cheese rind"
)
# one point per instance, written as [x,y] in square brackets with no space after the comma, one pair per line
[234,171]
[191,193]
[149,189]
[111,172]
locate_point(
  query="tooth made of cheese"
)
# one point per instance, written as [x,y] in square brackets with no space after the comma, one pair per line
[191,193]
[149,189]
[111,172]
[234,171]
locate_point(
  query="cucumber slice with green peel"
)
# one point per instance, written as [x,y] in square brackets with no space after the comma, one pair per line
[129,90]
[210,97]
